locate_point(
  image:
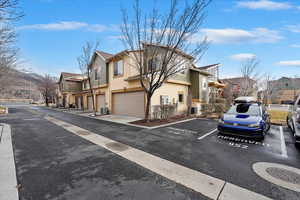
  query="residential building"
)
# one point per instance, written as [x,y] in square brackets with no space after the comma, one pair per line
[215,85]
[116,85]
[283,90]
[68,84]
[239,86]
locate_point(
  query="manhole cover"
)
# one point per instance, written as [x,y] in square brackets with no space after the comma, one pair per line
[117,146]
[282,175]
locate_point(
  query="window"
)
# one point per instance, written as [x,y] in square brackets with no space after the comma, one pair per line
[182,68]
[118,68]
[96,75]
[180,98]
[153,64]
[164,100]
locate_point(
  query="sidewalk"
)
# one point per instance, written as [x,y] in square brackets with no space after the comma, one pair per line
[120,119]
[8,180]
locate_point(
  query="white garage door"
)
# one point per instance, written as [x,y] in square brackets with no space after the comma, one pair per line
[100,102]
[90,103]
[130,104]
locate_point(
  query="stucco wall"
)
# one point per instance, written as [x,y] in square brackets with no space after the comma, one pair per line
[172,91]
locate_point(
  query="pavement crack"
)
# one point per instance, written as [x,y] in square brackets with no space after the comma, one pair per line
[221,191]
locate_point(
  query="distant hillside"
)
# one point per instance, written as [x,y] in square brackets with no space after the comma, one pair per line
[21,85]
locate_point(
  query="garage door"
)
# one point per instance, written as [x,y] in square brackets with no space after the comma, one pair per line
[130,104]
[90,103]
[100,102]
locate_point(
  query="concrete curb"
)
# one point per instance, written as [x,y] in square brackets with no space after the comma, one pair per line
[8,178]
[209,186]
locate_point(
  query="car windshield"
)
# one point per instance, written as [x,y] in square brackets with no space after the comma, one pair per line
[248,109]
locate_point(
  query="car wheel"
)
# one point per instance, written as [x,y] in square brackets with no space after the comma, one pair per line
[268,126]
[293,129]
[261,138]
[288,123]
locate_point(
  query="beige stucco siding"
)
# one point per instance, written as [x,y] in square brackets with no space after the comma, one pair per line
[172,91]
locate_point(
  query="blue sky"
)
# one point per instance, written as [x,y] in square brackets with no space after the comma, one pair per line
[53,31]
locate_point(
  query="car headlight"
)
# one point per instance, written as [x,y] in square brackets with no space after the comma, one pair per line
[256,125]
[221,121]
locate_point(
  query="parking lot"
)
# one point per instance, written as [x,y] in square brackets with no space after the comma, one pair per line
[195,145]
[232,158]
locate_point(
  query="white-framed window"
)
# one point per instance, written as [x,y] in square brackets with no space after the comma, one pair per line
[118,68]
[164,99]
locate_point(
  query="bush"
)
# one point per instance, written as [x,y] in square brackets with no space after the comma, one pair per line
[219,108]
[163,111]
[220,100]
[206,108]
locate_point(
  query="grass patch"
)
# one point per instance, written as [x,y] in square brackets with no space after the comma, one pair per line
[278,116]
[2,110]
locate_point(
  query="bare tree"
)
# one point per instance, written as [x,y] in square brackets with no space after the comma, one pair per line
[9,13]
[250,77]
[47,88]
[84,62]
[161,45]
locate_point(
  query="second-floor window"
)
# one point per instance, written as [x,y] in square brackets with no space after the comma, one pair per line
[96,75]
[118,68]
[153,64]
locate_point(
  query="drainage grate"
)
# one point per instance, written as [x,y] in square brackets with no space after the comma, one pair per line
[83,132]
[117,146]
[284,175]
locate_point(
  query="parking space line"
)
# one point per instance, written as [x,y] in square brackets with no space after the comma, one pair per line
[206,185]
[207,134]
[283,146]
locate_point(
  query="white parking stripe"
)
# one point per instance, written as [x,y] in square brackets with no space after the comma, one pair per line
[283,146]
[207,134]
[206,185]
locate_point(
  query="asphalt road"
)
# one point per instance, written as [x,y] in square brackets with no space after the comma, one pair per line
[54,164]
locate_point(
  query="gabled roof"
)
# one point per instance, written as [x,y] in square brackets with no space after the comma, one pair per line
[67,74]
[70,76]
[200,71]
[208,66]
[105,55]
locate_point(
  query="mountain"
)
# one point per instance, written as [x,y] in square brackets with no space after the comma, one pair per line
[21,85]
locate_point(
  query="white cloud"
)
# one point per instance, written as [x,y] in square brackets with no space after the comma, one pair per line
[64,25]
[264,5]
[292,63]
[229,35]
[295,45]
[294,28]
[243,56]
[69,25]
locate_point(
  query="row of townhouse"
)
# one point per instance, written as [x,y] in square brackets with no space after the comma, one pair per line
[116,85]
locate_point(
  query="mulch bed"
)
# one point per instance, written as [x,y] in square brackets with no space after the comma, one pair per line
[157,122]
